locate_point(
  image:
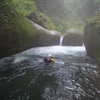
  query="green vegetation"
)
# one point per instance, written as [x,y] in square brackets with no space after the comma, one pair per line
[61,14]
[24,7]
[42,20]
[94,19]
[60,24]
[58,11]
[66,23]
[75,22]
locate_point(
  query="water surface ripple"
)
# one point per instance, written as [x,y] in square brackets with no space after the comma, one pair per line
[74,76]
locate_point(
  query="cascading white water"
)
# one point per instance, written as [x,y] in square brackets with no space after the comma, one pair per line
[61,40]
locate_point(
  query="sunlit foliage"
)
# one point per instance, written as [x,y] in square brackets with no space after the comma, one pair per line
[24,6]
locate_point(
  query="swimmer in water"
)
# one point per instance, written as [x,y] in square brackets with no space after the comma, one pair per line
[49,59]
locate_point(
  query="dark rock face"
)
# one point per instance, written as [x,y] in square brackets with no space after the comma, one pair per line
[92,38]
[73,38]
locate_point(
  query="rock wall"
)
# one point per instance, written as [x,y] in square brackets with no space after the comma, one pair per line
[16,32]
[92,38]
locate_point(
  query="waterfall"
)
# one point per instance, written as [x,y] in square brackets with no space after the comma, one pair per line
[61,40]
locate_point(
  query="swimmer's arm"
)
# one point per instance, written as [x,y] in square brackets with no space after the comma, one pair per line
[53,60]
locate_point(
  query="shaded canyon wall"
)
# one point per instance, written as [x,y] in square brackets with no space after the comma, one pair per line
[92,38]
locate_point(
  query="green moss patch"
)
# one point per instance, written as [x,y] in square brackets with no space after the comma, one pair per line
[16,31]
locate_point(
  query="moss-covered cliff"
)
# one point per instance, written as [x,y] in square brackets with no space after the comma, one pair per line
[16,31]
[92,38]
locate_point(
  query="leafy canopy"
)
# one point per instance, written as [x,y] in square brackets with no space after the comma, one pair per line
[24,6]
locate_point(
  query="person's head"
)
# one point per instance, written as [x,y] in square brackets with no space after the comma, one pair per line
[50,55]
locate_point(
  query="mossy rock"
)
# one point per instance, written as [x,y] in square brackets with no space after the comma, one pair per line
[42,20]
[92,38]
[16,31]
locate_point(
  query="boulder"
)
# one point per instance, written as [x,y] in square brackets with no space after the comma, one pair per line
[74,37]
[46,37]
[41,19]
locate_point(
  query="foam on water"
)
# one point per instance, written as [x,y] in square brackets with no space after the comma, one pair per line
[55,50]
